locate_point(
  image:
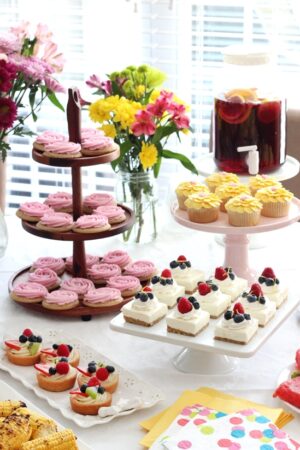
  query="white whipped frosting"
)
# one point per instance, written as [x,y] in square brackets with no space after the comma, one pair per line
[270,289]
[187,316]
[211,297]
[145,306]
[232,325]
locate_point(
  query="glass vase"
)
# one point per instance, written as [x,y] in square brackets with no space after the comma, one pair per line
[3,235]
[139,192]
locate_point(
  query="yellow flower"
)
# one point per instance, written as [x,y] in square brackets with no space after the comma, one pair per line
[99,111]
[185,130]
[109,130]
[148,155]
[125,112]
[154,95]
[140,90]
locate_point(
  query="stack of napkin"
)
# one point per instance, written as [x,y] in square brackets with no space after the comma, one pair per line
[209,419]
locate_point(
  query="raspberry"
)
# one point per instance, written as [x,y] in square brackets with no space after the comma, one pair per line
[256,290]
[102,373]
[181,258]
[147,289]
[238,308]
[204,288]
[184,305]
[267,272]
[93,381]
[221,274]
[166,273]
[63,350]
[27,332]
[62,368]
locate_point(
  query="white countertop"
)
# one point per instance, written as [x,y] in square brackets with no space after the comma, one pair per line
[255,377]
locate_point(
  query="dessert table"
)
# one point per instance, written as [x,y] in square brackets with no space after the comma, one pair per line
[255,378]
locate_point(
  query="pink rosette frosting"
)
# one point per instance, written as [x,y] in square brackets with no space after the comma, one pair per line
[30,290]
[35,209]
[140,268]
[98,199]
[91,221]
[109,211]
[87,133]
[103,271]
[102,295]
[56,264]
[62,148]
[57,219]
[61,297]
[123,282]
[118,257]
[48,137]
[46,277]
[59,200]
[96,142]
[90,260]
[78,285]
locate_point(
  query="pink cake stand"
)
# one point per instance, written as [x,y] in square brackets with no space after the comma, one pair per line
[236,238]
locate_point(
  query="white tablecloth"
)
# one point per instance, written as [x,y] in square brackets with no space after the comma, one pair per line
[255,378]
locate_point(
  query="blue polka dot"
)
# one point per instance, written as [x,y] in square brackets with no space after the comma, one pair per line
[220,414]
[266,447]
[238,433]
[268,433]
[262,419]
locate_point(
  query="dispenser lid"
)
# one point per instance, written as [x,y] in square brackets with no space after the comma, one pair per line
[246,55]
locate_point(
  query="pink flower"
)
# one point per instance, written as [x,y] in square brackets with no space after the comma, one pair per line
[56,60]
[159,107]
[144,124]
[166,95]
[8,112]
[94,82]
[43,34]
[54,85]
[7,74]
[178,116]
[106,87]
[9,43]
[33,68]
[21,31]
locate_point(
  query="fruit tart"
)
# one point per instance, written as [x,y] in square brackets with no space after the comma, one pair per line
[166,289]
[58,351]
[90,398]
[107,375]
[259,306]
[187,318]
[56,377]
[228,282]
[289,390]
[272,287]
[185,275]
[24,351]
[211,299]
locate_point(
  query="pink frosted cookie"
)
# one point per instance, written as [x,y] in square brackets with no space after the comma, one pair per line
[62,150]
[28,292]
[60,202]
[118,257]
[56,264]
[87,133]
[100,273]
[46,277]
[90,260]
[98,145]
[128,285]
[143,270]
[91,224]
[114,213]
[100,297]
[61,300]
[48,137]
[92,201]
[79,285]
[56,221]
[32,211]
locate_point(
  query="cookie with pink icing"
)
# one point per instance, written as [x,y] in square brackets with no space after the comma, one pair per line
[48,137]
[33,211]
[91,223]
[61,300]
[128,285]
[29,292]
[60,202]
[79,285]
[98,145]
[92,201]
[87,133]
[62,150]
[114,213]
[90,260]
[56,264]
[101,273]
[119,257]
[56,221]
[101,297]
[45,276]
[144,270]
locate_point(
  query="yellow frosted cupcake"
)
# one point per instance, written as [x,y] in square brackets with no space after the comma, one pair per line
[262,181]
[276,201]
[187,188]
[243,210]
[203,207]
[216,179]
[228,190]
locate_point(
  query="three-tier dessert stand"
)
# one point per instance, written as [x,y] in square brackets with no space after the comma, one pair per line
[78,239]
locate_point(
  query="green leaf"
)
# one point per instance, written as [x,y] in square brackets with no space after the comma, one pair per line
[156,166]
[124,147]
[53,99]
[162,132]
[185,161]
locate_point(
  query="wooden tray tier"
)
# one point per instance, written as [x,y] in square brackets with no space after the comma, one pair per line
[72,236]
[75,162]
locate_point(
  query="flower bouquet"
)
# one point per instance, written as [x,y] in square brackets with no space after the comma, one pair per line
[140,117]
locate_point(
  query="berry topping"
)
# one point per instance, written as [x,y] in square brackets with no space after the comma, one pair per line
[262,300]
[155,279]
[93,381]
[173,264]
[184,305]
[143,297]
[55,346]
[251,298]
[27,332]
[181,258]
[196,305]
[147,289]
[204,288]
[83,388]
[62,368]
[63,359]
[63,350]
[228,315]
[70,347]
[32,338]
[238,308]
[48,351]
[52,371]
[166,273]
[256,290]
[92,368]
[221,274]
[102,373]
[268,272]
[100,390]
[78,393]
[43,368]
[247,317]
[39,339]
[13,344]
[238,318]
[22,339]
[110,369]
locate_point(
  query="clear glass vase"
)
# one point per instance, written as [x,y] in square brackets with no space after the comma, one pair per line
[139,192]
[3,235]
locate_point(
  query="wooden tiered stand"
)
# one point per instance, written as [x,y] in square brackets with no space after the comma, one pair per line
[79,265]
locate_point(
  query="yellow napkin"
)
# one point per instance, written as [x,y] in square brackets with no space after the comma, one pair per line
[211,398]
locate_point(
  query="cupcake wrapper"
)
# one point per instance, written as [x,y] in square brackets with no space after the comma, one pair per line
[181,199]
[271,209]
[203,215]
[243,219]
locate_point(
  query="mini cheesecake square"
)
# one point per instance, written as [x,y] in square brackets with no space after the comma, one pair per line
[234,288]
[277,297]
[190,327]
[236,335]
[216,305]
[189,278]
[263,313]
[144,317]
[168,294]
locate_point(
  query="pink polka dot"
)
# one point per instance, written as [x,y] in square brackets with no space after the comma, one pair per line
[238,427]
[204,412]
[234,446]
[186,411]
[224,443]
[281,446]
[184,444]
[199,421]
[256,434]
[236,420]
[247,412]
[182,422]
[279,433]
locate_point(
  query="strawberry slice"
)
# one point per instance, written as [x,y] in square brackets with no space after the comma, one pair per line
[13,344]
[256,290]
[204,288]
[268,272]
[48,351]
[238,308]
[166,273]
[94,381]
[297,358]
[84,372]
[83,394]
[43,368]
[184,305]
[220,274]
[181,258]
[147,289]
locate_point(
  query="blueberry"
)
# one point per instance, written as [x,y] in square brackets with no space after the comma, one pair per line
[262,300]
[276,281]
[92,363]
[192,299]
[100,390]
[63,359]
[188,264]
[155,279]
[143,297]
[110,369]
[39,339]
[270,282]
[247,317]
[231,276]
[92,369]
[32,338]
[178,298]
[83,388]
[182,266]
[238,318]
[173,264]
[244,294]
[22,339]
[52,371]
[150,295]
[163,282]
[228,315]
[196,305]
[251,298]
[169,281]
[137,295]
[261,280]
[70,348]
[55,346]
